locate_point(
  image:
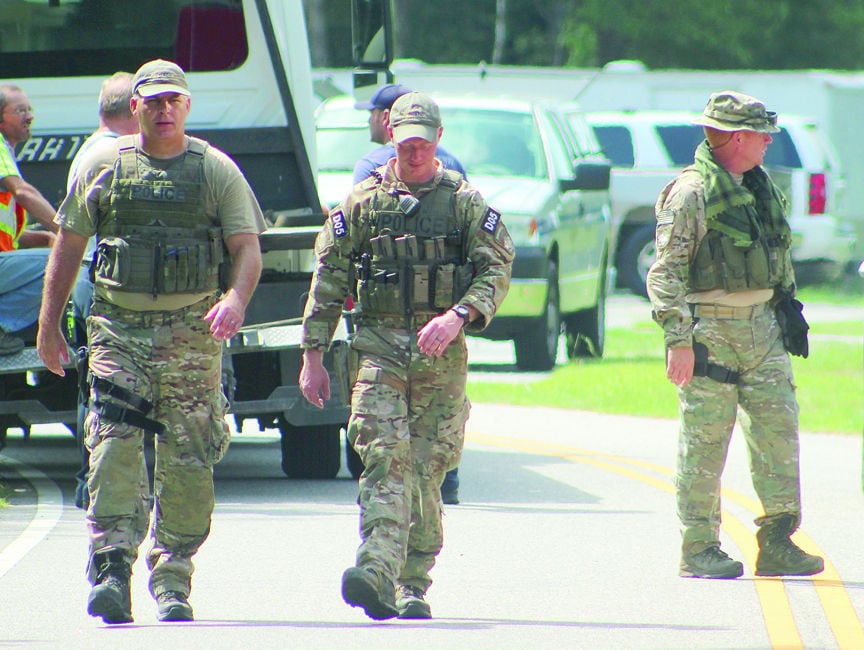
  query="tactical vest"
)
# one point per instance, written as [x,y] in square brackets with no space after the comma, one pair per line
[722,263]
[156,237]
[414,259]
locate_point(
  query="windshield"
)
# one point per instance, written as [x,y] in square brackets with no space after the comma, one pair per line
[48,38]
[492,142]
[340,149]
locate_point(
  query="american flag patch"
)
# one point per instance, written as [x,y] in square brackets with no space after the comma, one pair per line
[665,216]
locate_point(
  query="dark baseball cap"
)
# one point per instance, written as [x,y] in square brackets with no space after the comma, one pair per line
[160,76]
[383,98]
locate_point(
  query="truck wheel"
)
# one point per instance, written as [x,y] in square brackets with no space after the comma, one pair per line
[352,459]
[536,346]
[586,330]
[310,452]
[635,256]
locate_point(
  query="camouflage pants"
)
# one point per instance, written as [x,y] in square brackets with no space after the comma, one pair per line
[408,414]
[171,360]
[708,409]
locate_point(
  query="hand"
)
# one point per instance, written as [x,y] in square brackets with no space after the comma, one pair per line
[226,317]
[434,337]
[314,380]
[679,365]
[52,349]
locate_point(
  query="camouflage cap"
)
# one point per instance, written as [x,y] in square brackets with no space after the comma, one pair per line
[729,110]
[415,115]
[160,76]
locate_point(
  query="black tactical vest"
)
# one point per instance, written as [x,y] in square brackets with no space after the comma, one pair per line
[156,237]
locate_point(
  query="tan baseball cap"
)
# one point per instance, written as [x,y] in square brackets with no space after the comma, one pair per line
[729,110]
[160,76]
[415,115]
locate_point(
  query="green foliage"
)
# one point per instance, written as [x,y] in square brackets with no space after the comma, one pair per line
[631,380]
[725,34]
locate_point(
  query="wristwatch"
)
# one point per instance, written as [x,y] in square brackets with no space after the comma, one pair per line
[463,313]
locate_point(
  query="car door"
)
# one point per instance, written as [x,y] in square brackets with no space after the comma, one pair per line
[583,218]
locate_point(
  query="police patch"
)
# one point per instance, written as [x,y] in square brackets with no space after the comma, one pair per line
[491,221]
[665,216]
[340,228]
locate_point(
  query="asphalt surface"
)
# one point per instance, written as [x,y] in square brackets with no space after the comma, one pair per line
[566,537]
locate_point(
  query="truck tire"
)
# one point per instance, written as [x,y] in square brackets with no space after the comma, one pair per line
[586,330]
[310,452]
[635,256]
[536,345]
[352,460]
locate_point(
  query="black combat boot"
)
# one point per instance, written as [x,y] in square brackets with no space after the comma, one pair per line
[173,606]
[370,590]
[110,596]
[710,563]
[411,603]
[779,556]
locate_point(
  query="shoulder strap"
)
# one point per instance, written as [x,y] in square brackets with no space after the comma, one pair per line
[127,151]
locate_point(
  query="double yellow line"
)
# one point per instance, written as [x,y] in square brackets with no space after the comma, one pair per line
[777,612]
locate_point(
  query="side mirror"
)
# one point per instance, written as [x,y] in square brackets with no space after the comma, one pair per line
[588,176]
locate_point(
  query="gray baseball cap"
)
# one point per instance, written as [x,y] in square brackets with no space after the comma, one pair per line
[729,110]
[160,76]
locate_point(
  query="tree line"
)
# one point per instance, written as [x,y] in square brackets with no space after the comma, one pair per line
[725,34]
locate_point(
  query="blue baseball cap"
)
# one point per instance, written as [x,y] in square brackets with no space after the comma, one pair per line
[383,98]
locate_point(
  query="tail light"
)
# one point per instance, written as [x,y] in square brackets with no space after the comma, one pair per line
[817,194]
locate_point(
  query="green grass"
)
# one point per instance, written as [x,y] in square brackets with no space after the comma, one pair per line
[847,290]
[631,380]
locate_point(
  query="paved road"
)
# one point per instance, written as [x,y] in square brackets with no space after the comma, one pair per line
[566,538]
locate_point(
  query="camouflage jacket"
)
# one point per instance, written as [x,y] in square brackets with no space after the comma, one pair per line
[346,233]
[681,226]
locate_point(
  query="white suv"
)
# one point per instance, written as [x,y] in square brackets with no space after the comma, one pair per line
[649,148]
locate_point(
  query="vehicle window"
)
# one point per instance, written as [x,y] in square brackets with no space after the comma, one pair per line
[48,38]
[617,143]
[340,149]
[494,142]
[585,141]
[563,151]
[782,152]
[680,141]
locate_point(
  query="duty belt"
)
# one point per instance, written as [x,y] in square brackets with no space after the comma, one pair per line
[723,312]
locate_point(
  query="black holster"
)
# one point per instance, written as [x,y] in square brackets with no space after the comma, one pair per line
[701,368]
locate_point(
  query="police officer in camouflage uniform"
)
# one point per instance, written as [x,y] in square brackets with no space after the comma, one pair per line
[168,210]
[723,263]
[424,257]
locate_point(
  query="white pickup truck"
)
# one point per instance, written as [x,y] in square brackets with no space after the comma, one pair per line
[648,148]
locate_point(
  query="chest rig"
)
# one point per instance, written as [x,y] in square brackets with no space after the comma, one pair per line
[413,262]
[156,237]
[746,246]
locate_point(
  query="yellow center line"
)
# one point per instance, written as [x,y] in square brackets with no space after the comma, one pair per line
[776,610]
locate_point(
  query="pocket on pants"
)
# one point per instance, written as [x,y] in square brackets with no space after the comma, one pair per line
[220,435]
